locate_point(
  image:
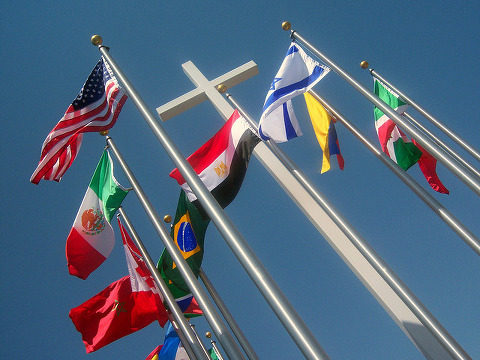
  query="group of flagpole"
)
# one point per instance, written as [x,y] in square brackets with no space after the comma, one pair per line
[465,145]
[448,342]
[285,312]
[467,236]
[186,331]
[237,332]
[441,143]
[438,152]
[447,131]
[420,311]
[189,342]
[218,327]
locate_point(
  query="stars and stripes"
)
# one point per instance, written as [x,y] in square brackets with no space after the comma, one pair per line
[96,108]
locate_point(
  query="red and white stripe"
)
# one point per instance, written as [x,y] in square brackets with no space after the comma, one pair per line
[63,143]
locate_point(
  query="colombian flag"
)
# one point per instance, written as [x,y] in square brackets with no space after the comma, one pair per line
[324,128]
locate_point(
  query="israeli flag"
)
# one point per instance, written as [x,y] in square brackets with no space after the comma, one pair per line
[298,74]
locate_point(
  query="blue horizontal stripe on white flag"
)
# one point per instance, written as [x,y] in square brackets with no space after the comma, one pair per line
[300,86]
[297,74]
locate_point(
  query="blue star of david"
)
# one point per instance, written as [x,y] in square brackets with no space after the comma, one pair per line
[272,87]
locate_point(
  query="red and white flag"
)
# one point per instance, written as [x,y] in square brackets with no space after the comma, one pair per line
[96,108]
[140,276]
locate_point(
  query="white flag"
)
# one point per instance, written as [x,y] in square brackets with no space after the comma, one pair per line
[298,74]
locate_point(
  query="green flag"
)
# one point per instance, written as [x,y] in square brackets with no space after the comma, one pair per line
[212,354]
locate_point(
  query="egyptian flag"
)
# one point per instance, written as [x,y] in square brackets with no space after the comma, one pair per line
[222,161]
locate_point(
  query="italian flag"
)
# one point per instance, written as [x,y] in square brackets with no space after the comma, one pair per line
[221,163]
[91,239]
[395,144]
[393,141]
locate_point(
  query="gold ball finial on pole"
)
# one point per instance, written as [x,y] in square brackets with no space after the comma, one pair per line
[364,64]
[222,88]
[167,218]
[286,25]
[103,132]
[97,40]
[208,334]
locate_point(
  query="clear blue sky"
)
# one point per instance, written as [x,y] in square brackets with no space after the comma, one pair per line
[428,49]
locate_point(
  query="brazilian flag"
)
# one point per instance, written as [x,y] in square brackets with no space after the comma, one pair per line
[188,233]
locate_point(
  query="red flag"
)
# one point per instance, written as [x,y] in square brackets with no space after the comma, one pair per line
[95,108]
[428,165]
[115,312]
[154,352]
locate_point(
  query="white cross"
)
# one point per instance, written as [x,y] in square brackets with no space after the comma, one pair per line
[207,90]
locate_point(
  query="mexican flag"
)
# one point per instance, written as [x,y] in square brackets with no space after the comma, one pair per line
[91,239]
[393,141]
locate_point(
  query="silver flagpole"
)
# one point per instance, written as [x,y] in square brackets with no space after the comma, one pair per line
[198,338]
[447,148]
[285,312]
[467,236]
[181,335]
[213,318]
[396,284]
[436,151]
[215,349]
[450,133]
[191,343]
[237,332]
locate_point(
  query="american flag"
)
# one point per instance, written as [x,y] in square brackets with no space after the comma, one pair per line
[95,108]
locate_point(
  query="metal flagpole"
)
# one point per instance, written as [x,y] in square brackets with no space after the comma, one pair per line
[213,318]
[467,236]
[198,338]
[191,343]
[387,274]
[237,332]
[181,335]
[286,313]
[436,151]
[215,349]
[447,148]
[451,134]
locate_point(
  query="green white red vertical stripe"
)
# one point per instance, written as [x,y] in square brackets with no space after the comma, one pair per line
[397,145]
[91,239]
[392,140]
